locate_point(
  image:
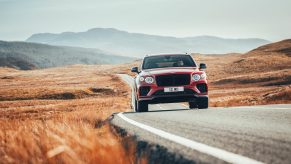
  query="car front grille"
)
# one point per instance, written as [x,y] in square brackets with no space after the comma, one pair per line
[173,80]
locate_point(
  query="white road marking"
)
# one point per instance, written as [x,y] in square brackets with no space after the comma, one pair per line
[203,148]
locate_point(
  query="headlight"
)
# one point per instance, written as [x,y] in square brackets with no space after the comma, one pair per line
[149,80]
[196,77]
[141,79]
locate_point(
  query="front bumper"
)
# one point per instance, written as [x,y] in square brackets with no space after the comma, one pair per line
[157,95]
[172,99]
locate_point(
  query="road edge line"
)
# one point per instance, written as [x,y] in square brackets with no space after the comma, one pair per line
[203,148]
[125,78]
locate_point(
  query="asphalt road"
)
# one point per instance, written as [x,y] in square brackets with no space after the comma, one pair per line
[246,134]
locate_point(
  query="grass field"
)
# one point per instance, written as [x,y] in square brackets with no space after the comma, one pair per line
[56,116]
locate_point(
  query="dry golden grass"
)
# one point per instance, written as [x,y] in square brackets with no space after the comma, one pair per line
[261,76]
[55,116]
[255,78]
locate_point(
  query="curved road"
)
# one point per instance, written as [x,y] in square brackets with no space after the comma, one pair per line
[246,134]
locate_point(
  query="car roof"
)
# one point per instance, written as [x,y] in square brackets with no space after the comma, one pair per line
[164,55]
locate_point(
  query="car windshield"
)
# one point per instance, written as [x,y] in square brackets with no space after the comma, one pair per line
[168,61]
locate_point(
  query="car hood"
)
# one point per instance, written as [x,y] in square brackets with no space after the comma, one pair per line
[160,71]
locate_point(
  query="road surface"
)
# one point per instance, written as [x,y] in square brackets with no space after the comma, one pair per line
[174,133]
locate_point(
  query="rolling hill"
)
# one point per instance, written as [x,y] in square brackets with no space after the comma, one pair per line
[282,47]
[271,57]
[138,45]
[260,76]
[23,55]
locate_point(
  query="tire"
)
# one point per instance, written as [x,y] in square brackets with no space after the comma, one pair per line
[142,106]
[192,105]
[202,103]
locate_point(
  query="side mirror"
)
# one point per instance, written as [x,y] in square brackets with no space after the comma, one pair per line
[134,69]
[202,66]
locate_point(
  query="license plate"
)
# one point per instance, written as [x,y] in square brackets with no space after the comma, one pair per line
[174,89]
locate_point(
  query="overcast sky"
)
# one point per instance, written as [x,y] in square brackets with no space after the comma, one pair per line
[268,19]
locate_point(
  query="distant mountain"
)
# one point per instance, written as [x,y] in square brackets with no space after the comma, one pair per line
[136,44]
[23,55]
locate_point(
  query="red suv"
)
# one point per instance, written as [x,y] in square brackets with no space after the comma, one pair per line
[170,78]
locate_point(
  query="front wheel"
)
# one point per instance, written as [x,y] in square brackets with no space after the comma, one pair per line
[142,106]
[202,103]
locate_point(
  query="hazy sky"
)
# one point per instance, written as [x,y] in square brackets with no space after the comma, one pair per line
[268,19]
